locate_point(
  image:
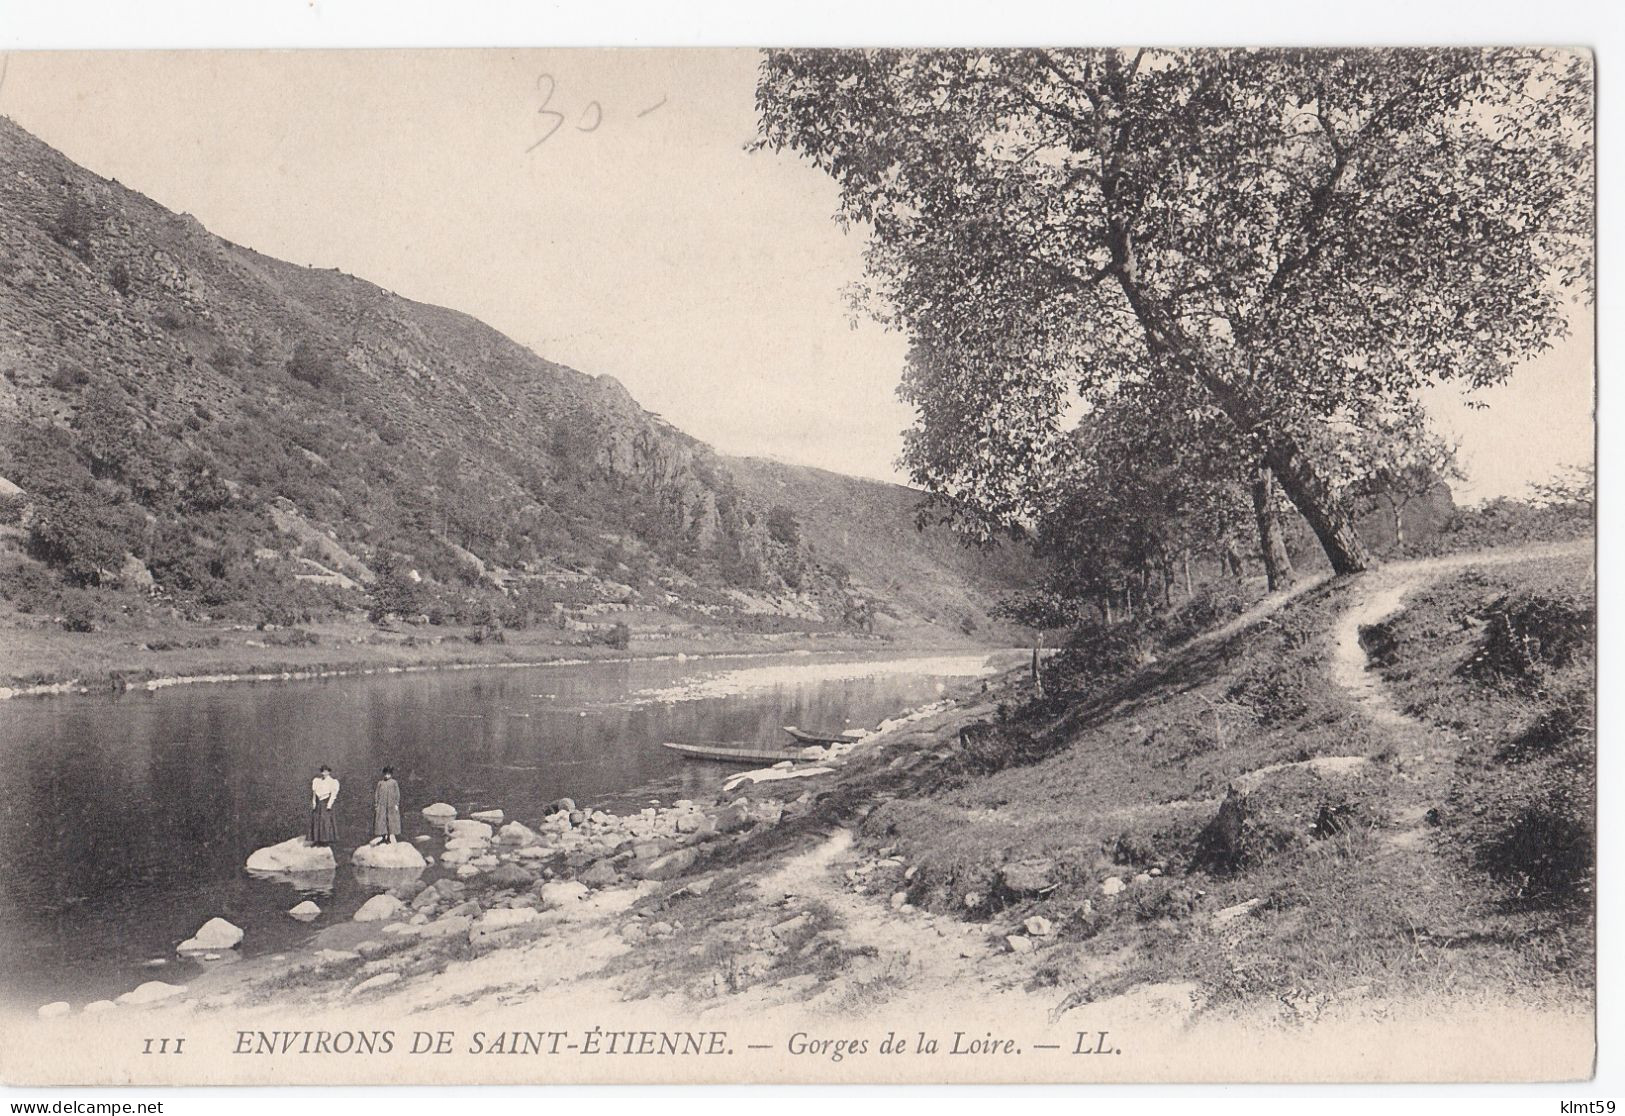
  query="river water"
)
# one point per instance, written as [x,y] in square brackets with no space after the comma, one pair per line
[125,821]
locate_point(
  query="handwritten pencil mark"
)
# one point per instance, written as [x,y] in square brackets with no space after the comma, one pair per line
[651,108]
[551,86]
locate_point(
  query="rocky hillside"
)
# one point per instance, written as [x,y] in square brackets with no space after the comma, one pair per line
[870,529]
[189,425]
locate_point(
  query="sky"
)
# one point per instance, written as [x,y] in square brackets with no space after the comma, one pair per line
[605,209]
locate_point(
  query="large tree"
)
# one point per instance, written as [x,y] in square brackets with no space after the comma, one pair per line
[1293,237]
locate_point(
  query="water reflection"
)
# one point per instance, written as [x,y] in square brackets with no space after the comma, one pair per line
[125,821]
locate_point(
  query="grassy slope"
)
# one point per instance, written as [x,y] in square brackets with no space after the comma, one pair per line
[1359,896]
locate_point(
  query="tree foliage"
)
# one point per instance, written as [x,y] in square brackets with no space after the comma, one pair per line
[1283,238]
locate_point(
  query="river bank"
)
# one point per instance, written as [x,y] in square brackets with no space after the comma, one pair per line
[40,662]
[1159,861]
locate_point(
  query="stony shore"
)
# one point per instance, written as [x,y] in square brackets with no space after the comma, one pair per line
[489,879]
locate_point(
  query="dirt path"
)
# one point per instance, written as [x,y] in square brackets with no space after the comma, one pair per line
[1381,594]
[1376,597]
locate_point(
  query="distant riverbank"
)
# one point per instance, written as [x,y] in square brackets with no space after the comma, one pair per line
[43,662]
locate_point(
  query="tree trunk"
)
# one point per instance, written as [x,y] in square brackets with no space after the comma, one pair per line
[1399,522]
[1189,593]
[1313,497]
[1232,560]
[1271,546]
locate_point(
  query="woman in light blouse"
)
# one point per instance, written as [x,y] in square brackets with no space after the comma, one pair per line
[324,791]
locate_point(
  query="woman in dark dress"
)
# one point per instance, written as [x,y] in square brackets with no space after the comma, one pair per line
[324,791]
[386,809]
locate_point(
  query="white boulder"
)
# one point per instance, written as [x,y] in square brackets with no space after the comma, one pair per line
[468,827]
[499,919]
[54,1010]
[514,833]
[440,810]
[380,908]
[488,815]
[1112,885]
[562,893]
[305,911]
[295,855]
[151,993]
[378,981]
[398,855]
[96,1007]
[217,933]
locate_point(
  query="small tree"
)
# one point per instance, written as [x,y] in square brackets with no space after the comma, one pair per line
[1395,461]
[782,526]
[394,593]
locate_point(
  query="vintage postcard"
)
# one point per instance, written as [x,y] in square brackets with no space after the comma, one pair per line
[738,566]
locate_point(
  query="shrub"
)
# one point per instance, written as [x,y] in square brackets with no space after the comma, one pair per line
[783,527]
[1213,604]
[69,377]
[74,533]
[310,363]
[1095,653]
[1529,634]
[985,747]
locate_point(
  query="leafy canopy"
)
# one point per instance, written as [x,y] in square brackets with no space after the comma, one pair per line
[1291,236]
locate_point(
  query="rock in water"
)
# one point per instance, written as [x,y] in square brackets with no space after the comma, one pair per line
[487,815]
[217,933]
[305,911]
[151,992]
[440,810]
[380,908]
[398,855]
[516,834]
[295,855]
[511,874]
[467,827]
[53,1010]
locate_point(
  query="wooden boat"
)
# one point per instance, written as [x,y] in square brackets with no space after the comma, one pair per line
[735,753]
[823,738]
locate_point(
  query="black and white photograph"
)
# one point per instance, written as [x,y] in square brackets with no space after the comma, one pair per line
[798,565]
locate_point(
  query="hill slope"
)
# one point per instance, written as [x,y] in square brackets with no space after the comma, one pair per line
[197,427]
[869,528]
